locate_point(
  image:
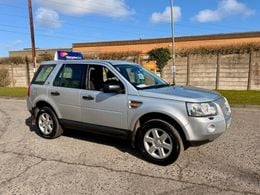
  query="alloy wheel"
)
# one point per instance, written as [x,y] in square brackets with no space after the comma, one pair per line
[45,123]
[158,143]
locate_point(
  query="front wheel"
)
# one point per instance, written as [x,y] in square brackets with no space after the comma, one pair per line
[47,123]
[159,142]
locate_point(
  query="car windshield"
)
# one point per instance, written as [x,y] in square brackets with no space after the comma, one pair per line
[139,77]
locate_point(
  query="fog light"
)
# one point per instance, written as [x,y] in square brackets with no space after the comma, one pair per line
[211,128]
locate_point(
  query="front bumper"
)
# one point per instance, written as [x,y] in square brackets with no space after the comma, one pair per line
[206,129]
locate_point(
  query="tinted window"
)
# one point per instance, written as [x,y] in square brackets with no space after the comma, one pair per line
[71,76]
[42,74]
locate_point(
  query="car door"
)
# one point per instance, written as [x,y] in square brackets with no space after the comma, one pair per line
[66,90]
[99,108]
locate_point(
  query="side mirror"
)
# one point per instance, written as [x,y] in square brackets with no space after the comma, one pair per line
[112,88]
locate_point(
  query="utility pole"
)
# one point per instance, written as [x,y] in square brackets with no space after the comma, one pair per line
[32,35]
[173,44]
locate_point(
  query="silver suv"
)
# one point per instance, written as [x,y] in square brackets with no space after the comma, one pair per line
[123,99]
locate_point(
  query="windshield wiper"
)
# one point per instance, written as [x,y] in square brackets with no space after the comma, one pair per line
[162,85]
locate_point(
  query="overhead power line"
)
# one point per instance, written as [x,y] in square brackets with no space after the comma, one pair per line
[126,28]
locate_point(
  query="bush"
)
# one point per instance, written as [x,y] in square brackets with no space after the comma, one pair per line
[224,49]
[4,78]
[161,56]
[45,57]
[12,60]
[112,55]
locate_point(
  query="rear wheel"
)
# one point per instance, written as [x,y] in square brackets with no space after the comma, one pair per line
[47,123]
[159,142]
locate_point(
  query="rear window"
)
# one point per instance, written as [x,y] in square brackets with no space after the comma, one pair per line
[42,74]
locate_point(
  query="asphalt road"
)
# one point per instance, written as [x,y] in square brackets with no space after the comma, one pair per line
[80,163]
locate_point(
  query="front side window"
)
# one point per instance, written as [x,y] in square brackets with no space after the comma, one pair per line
[139,77]
[70,76]
[98,76]
[42,74]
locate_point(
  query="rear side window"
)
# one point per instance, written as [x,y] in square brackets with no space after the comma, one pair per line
[42,74]
[70,76]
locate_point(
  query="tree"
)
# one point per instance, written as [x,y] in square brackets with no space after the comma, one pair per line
[161,56]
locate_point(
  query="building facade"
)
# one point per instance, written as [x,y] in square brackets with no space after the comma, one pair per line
[39,52]
[143,46]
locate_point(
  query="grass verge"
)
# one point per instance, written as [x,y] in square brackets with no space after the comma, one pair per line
[242,97]
[20,92]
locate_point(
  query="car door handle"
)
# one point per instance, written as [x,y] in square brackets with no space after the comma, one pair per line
[89,97]
[56,93]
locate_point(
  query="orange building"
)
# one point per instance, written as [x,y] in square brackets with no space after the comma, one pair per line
[144,45]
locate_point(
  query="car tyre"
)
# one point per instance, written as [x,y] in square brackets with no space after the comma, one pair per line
[47,124]
[159,142]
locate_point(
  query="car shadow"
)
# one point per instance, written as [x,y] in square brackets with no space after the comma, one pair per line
[32,127]
[123,145]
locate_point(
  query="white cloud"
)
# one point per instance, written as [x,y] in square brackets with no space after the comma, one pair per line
[48,18]
[225,8]
[208,15]
[111,8]
[165,16]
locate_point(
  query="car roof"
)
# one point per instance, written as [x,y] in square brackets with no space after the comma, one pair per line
[112,62]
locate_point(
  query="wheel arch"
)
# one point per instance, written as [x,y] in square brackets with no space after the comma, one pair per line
[40,104]
[160,116]
[56,129]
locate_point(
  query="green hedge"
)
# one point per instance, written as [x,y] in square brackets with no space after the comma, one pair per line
[242,97]
[224,50]
[13,91]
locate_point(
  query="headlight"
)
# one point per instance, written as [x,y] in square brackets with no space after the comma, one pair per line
[201,109]
[228,109]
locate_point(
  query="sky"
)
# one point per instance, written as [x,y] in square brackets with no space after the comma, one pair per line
[60,23]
